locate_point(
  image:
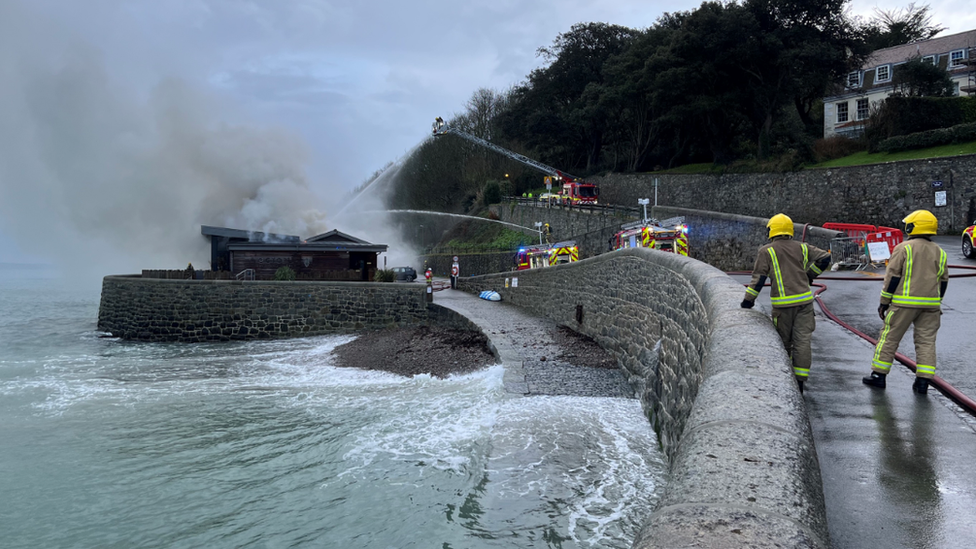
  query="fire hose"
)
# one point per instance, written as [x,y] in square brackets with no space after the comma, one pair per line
[942,385]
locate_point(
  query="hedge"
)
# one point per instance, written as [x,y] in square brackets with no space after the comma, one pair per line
[961,133]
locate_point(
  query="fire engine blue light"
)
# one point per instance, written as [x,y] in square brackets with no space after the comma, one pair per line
[684,229]
[521,249]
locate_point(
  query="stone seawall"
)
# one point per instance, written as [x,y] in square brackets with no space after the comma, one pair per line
[878,194]
[221,310]
[715,384]
[726,241]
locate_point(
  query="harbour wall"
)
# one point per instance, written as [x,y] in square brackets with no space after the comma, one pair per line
[151,309]
[714,382]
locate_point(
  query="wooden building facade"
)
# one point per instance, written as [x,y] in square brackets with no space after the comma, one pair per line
[329,256]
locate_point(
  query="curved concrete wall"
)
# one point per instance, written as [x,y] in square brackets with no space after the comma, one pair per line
[716,384]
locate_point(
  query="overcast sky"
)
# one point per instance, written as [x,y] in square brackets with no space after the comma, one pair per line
[321,92]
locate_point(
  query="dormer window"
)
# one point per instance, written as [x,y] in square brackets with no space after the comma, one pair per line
[882,73]
[930,59]
[854,79]
[956,57]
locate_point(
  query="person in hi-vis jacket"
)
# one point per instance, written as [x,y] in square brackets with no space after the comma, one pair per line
[915,282]
[790,266]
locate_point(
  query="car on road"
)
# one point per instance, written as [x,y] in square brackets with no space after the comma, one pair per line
[967,242]
[407,274]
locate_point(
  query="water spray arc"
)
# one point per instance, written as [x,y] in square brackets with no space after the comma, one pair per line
[534,230]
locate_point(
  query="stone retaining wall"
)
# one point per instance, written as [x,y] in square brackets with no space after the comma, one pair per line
[715,383]
[878,194]
[148,309]
[726,241]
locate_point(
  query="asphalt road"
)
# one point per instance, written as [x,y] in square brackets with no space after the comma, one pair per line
[895,466]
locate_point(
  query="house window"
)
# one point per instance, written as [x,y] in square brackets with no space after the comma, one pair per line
[863,109]
[883,73]
[854,79]
[930,59]
[956,57]
[842,112]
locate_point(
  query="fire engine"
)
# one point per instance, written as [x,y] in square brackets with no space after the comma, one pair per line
[670,235]
[574,191]
[546,255]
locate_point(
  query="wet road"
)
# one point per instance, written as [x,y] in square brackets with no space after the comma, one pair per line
[895,466]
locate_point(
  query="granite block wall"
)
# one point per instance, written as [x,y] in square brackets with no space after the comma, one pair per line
[878,194]
[221,310]
[715,383]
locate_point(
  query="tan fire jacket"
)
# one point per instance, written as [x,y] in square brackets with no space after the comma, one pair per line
[921,266]
[786,262]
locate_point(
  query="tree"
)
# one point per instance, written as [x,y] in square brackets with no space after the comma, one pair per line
[553,112]
[916,78]
[896,27]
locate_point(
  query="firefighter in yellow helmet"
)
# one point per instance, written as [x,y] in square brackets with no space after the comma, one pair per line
[790,266]
[915,282]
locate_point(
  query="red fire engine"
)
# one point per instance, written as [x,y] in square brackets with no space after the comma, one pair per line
[670,235]
[573,190]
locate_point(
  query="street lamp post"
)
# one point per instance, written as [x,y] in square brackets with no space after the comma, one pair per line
[538,225]
[644,202]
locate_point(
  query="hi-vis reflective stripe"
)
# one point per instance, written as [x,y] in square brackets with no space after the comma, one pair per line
[806,254]
[801,372]
[922,369]
[783,299]
[905,297]
[646,238]
[752,291]
[877,362]
[681,243]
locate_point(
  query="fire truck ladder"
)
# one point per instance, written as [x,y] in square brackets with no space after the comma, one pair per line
[441,128]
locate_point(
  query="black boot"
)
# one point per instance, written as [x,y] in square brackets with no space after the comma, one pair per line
[799,382]
[921,385]
[875,380]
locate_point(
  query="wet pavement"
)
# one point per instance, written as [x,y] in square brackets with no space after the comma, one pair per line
[895,465]
[528,348]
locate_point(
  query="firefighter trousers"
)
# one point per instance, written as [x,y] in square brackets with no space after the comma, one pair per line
[795,326]
[897,322]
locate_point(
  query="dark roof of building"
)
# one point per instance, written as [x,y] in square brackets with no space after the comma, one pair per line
[336,236]
[331,241]
[932,46]
[249,236]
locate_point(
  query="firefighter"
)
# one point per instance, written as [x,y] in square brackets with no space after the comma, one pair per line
[915,282]
[791,266]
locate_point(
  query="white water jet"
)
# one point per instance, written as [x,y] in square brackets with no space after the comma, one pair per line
[424,212]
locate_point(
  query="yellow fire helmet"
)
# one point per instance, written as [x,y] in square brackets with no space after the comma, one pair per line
[921,222]
[780,224]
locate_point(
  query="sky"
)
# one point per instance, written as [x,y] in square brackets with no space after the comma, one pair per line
[126,124]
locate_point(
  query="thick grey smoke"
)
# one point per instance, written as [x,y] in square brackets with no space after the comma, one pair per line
[99,176]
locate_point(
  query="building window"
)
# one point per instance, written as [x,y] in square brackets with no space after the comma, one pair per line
[955,58]
[930,59]
[854,79]
[863,109]
[883,73]
[842,112]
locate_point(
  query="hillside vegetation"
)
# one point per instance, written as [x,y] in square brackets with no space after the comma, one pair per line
[728,86]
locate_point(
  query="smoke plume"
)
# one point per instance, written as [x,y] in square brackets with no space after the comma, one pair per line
[96,175]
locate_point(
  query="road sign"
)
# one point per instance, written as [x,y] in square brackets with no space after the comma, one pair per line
[455,259]
[454,270]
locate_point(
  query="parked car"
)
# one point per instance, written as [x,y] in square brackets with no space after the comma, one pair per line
[967,242]
[406,274]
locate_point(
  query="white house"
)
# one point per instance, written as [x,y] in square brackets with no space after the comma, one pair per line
[846,112]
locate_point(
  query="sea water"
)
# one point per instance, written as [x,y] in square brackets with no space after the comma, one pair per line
[108,443]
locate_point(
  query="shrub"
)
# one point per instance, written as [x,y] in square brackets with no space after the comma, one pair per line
[962,133]
[284,273]
[385,275]
[906,115]
[492,193]
[837,146]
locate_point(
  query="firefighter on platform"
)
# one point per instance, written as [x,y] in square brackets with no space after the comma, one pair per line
[791,266]
[915,282]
